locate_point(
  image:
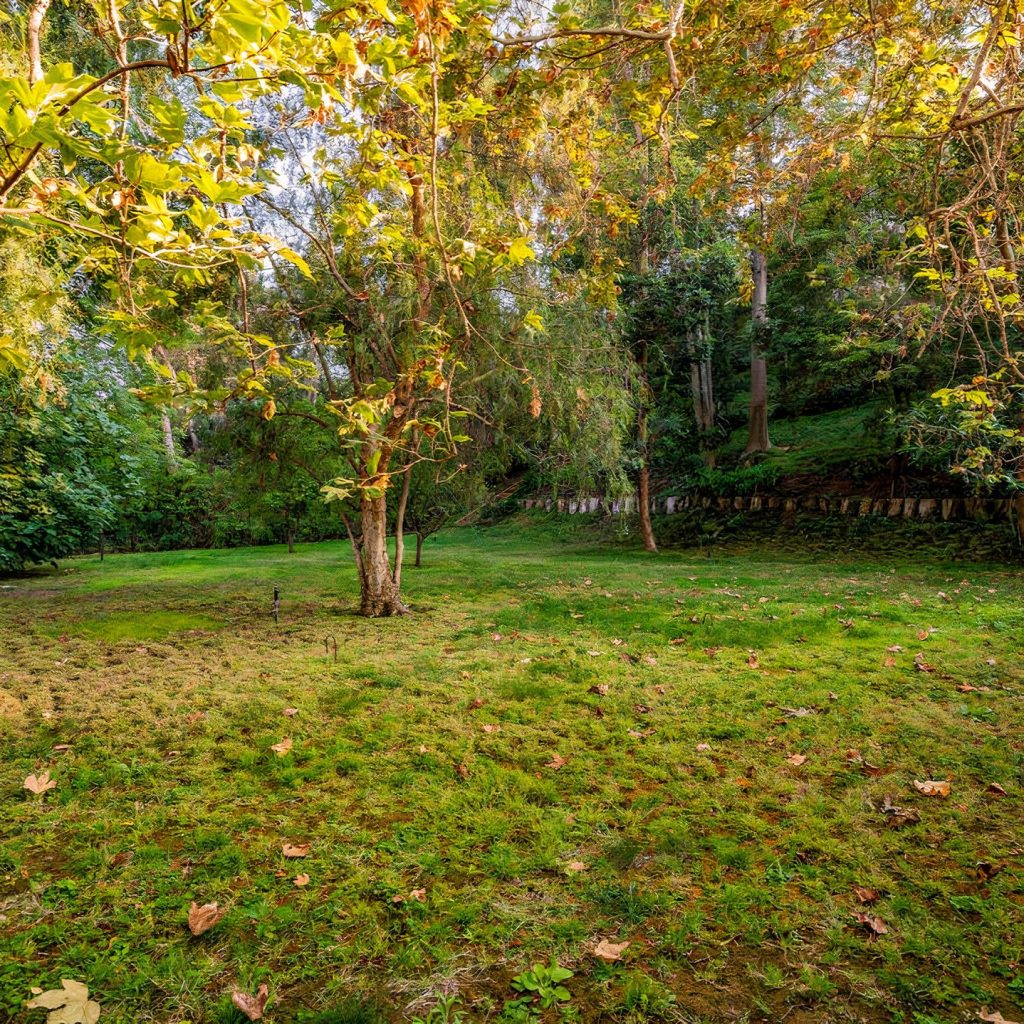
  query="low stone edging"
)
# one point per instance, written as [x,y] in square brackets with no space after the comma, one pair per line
[946,509]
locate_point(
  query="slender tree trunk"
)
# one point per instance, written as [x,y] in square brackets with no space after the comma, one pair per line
[643,498]
[419,550]
[291,539]
[379,593]
[33,30]
[757,431]
[172,454]
[643,479]
[403,502]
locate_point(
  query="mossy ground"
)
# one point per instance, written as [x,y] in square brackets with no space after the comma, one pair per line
[729,869]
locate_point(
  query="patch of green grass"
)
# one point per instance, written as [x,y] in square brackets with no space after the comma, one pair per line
[450,849]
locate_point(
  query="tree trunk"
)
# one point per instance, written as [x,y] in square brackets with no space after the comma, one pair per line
[378,591]
[33,30]
[403,502]
[172,454]
[643,480]
[643,500]
[757,431]
[419,550]
[291,540]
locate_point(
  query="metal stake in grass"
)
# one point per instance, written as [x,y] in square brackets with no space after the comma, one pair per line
[277,602]
[327,646]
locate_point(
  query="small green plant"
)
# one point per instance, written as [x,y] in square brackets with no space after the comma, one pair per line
[544,984]
[442,1012]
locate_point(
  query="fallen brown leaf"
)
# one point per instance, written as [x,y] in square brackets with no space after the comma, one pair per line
[290,712]
[610,951]
[874,924]
[203,918]
[251,1006]
[797,759]
[601,689]
[986,871]
[897,817]
[39,784]
[69,1004]
[864,894]
[995,789]
[556,762]
[300,880]
[933,787]
[995,1017]
[295,850]
[283,747]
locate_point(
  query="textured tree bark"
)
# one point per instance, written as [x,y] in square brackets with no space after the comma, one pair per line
[172,453]
[419,547]
[757,429]
[33,30]
[643,499]
[643,480]
[403,502]
[378,591]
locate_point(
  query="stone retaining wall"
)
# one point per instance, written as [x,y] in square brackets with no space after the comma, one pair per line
[975,509]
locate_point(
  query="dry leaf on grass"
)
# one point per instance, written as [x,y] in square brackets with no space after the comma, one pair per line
[986,871]
[864,894]
[492,728]
[419,895]
[995,1017]
[67,1005]
[295,850]
[874,924]
[283,747]
[462,771]
[575,865]
[701,747]
[601,689]
[194,716]
[933,787]
[39,784]
[300,880]
[797,759]
[610,951]
[251,1006]
[897,817]
[556,762]
[995,789]
[203,918]
[290,712]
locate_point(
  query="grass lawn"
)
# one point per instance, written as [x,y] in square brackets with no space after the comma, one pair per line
[564,745]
